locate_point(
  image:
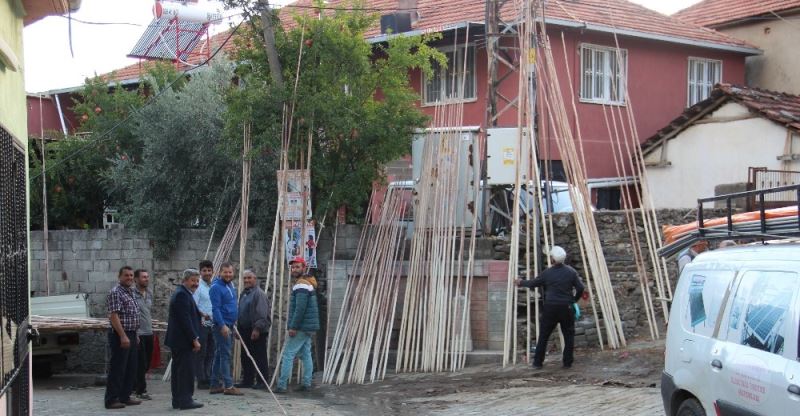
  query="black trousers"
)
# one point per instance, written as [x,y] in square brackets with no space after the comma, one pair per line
[203,359]
[121,368]
[182,377]
[258,349]
[553,315]
[145,354]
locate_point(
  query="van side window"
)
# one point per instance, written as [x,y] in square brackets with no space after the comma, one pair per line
[760,315]
[706,292]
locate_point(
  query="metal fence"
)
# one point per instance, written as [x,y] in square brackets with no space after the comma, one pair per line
[13,278]
[763,178]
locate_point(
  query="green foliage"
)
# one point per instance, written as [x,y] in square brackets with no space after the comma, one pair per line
[353,98]
[78,191]
[75,189]
[186,176]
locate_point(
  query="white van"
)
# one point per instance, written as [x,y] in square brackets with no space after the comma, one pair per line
[732,343]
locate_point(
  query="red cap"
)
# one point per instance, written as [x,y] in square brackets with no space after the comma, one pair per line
[298,259]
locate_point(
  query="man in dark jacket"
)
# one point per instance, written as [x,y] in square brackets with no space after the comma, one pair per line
[255,318]
[562,288]
[303,323]
[183,339]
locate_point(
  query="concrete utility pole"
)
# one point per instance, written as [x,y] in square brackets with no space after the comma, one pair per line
[269,42]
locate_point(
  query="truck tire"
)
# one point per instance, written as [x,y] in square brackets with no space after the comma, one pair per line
[690,407]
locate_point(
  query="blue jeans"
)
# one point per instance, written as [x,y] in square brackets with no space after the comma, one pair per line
[221,367]
[300,343]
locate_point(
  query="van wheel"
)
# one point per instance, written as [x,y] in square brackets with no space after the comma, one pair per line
[690,407]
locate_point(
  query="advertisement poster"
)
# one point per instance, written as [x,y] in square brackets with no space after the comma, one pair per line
[298,244]
[298,184]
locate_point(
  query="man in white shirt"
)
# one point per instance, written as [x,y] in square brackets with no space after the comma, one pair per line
[206,355]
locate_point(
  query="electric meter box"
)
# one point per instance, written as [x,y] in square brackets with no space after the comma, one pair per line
[503,154]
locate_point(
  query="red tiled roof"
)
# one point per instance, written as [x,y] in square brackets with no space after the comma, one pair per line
[713,13]
[779,107]
[624,15]
[437,15]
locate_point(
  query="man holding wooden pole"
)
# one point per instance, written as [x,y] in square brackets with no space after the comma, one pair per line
[562,288]
[303,323]
[255,318]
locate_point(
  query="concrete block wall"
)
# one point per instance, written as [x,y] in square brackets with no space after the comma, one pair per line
[87,261]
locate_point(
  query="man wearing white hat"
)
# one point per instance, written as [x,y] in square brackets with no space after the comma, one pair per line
[562,288]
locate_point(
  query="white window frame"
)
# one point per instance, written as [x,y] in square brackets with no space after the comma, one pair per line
[707,85]
[606,93]
[447,75]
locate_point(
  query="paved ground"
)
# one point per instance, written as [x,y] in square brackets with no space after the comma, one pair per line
[601,383]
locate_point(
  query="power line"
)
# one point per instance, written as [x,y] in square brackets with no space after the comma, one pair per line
[150,100]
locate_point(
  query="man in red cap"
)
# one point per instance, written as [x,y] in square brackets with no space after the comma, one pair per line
[303,323]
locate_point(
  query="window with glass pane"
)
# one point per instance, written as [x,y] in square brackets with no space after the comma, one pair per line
[703,75]
[761,312]
[603,79]
[456,81]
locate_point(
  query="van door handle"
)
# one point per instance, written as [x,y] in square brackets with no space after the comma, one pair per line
[716,363]
[794,389]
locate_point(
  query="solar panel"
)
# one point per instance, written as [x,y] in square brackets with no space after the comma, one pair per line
[697,309]
[762,320]
[166,38]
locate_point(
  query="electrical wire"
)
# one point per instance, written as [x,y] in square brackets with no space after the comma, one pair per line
[151,100]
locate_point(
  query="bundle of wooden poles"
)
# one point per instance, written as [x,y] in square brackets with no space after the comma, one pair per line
[363,332]
[435,330]
[539,87]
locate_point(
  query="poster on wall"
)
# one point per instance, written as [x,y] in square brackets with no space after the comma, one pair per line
[298,244]
[298,184]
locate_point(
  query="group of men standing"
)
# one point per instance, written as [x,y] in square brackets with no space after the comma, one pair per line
[205,315]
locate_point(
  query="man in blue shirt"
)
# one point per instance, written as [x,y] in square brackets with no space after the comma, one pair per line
[224,311]
[202,298]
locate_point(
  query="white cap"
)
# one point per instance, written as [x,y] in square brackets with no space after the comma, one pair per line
[558,254]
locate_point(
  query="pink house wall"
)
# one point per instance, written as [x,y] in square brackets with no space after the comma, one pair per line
[657,84]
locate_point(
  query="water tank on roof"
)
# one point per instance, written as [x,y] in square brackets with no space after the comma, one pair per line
[189,12]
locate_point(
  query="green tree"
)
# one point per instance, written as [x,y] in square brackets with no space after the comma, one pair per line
[354,99]
[187,174]
[77,189]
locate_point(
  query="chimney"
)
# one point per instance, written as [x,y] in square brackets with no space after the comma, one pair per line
[409,6]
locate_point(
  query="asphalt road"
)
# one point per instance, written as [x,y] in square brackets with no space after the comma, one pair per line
[74,395]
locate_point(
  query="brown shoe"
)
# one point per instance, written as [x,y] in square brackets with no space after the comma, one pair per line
[132,402]
[233,391]
[216,390]
[115,405]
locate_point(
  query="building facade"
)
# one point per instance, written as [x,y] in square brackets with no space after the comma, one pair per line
[772,26]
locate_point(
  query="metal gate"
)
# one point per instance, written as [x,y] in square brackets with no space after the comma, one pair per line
[14,293]
[763,178]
